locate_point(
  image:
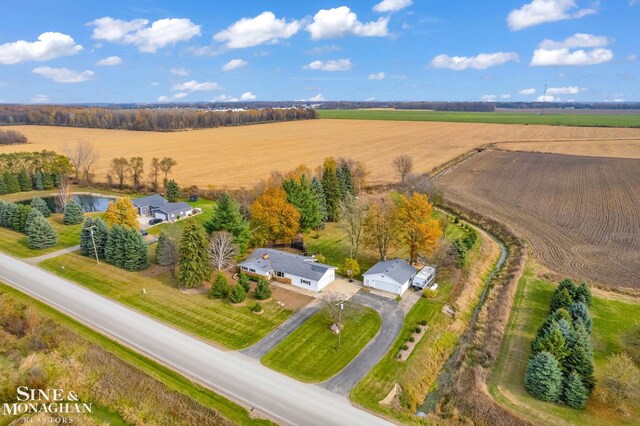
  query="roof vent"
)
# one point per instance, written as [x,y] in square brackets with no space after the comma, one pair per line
[265,256]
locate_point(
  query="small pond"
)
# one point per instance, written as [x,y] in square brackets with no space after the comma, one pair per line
[90,203]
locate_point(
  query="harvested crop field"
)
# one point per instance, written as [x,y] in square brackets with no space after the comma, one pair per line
[617,148]
[581,215]
[241,156]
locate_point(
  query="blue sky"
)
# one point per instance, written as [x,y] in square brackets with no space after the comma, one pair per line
[456,50]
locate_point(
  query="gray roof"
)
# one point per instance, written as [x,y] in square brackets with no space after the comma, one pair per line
[169,208]
[294,264]
[155,200]
[396,269]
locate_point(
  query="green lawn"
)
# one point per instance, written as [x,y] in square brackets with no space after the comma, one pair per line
[15,243]
[310,353]
[168,377]
[597,120]
[611,318]
[234,327]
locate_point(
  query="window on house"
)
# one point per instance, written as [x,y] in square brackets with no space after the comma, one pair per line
[279,274]
[303,281]
[252,270]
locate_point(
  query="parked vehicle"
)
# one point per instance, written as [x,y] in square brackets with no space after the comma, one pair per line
[156,220]
[144,232]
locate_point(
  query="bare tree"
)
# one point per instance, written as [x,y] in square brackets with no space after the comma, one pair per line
[63,195]
[166,164]
[338,308]
[154,173]
[168,253]
[222,249]
[420,183]
[120,168]
[403,165]
[352,214]
[90,158]
[381,227]
[136,168]
[76,156]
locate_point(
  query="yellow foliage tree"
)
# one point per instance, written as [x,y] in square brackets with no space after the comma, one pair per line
[122,212]
[273,218]
[419,231]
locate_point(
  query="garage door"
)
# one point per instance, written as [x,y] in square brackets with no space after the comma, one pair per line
[383,285]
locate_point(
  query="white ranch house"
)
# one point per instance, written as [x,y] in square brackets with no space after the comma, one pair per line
[301,271]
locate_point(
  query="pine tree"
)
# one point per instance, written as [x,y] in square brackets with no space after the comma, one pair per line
[194,256]
[331,189]
[346,180]
[583,294]
[580,362]
[114,250]
[543,378]
[569,285]
[100,236]
[173,191]
[575,394]
[227,217]
[302,197]
[3,186]
[73,213]
[39,185]
[263,290]
[237,294]
[41,234]
[12,183]
[41,205]
[580,311]
[554,343]
[19,218]
[136,253]
[47,181]
[220,288]
[86,243]
[316,187]
[33,214]
[24,181]
[243,280]
[567,331]
[561,299]
[6,219]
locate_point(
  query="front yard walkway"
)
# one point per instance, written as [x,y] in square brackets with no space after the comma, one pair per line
[36,260]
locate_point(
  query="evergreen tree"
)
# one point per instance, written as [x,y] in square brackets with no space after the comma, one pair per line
[569,285]
[73,213]
[554,343]
[6,218]
[173,191]
[3,185]
[316,187]
[331,189]
[24,181]
[567,331]
[243,280]
[3,206]
[583,294]
[41,205]
[575,394]
[220,288]
[263,290]
[41,234]
[346,180]
[543,378]
[302,197]
[237,294]
[561,299]
[580,362]
[47,181]
[136,253]
[579,311]
[114,249]
[38,184]
[100,236]
[56,178]
[227,217]
[33,214]
[19,218]
[12,183]
[194,256]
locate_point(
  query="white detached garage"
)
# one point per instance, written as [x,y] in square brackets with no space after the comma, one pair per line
[393,276]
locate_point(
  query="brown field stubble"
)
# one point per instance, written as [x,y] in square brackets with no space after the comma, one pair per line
[241,156]
[581,215]
[591,148]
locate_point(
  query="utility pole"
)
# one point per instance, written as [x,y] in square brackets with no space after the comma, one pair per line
[95,249]
[341,304]
[544,99]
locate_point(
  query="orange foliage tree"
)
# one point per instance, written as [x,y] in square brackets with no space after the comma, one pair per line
[419,231]
[273,218]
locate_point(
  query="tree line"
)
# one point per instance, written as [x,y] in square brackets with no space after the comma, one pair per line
[145,119]
[27,171]
[12,137]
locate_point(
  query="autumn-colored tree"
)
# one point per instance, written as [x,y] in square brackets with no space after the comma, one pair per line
[419,231]
[122,212]
[273,218]
[381,227]
[136,168]
[154,173]
[349,268]
[120,168]
[166,164]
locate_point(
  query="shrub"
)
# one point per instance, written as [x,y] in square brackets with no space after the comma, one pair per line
[412,339]
[219,288]
[73,213]
[405,347]
[398,298]
[618,381]
[423,322]
[417,330]
[429,294]
[575,394]
[320,258]
[237,295]
[40,205]
[263,290]
[257,307]
[543,378]
[456,220]
[243,280]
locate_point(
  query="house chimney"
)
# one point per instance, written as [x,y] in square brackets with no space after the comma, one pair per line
[265,256]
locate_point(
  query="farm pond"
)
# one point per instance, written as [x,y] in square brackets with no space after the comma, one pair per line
[89,202]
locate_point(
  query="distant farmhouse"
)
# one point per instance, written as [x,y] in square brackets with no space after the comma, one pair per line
[396,276]
[301,271]
[158,207]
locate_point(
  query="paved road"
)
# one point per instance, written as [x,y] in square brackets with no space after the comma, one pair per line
[36,260]
[233,374]
[392,320]
[272,340]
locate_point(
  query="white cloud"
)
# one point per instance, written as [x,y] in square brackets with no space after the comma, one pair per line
[194,86]
[507,96]
[109,61]
[547,98]
[377,76]
[371,99]
[391,5]
[480,62]
[331,65]
[488,98]
[341,21]
[64,75]
[566,52]
[316,98]
[568,90]
[234,64]
[182,72]
[527,91]
[149,39]
[247,96]
[632,58]
[48,46]
[542,11]
[173,97]
[39,99]
[264,28]
[575,41]
[224,98]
